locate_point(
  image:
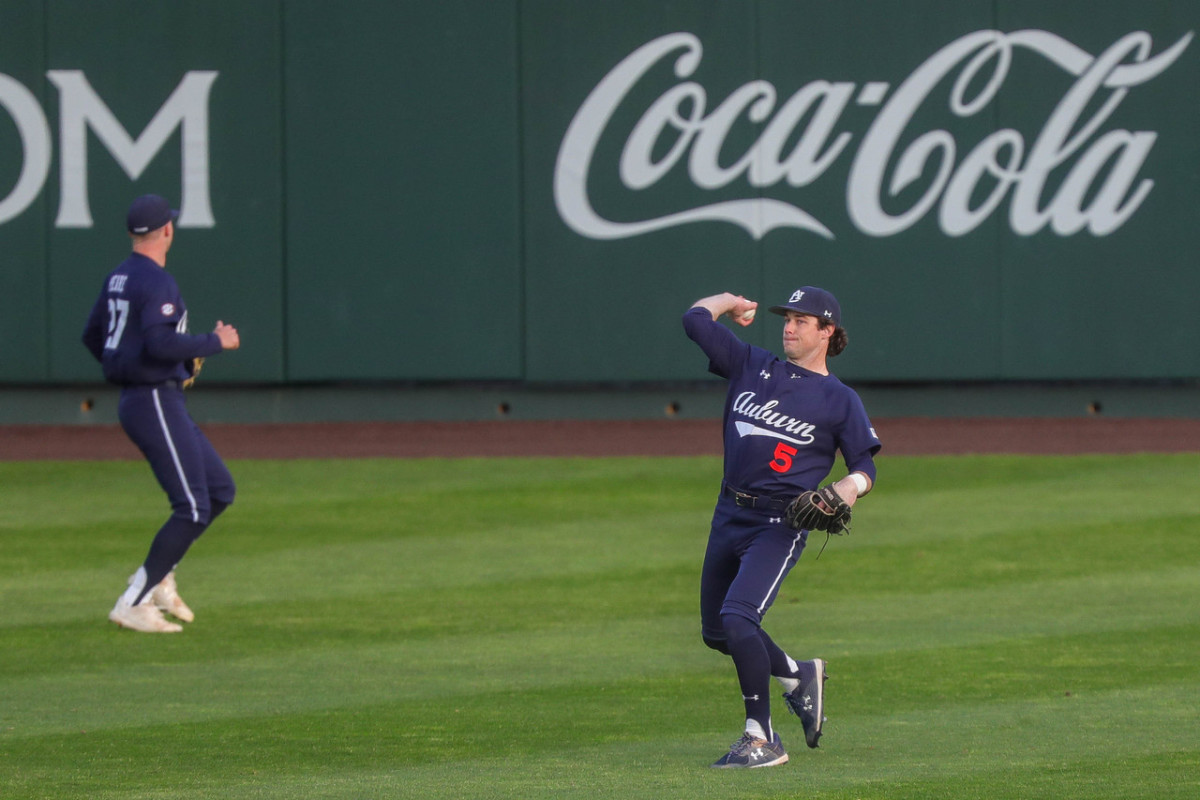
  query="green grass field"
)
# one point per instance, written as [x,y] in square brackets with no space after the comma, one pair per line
[528,629]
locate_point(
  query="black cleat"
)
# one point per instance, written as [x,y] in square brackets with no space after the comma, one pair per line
[807,701]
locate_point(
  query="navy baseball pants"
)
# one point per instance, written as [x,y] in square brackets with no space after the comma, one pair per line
[749,554]
[196,480]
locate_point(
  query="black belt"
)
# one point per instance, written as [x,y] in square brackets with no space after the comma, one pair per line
[747,500]
[162,385]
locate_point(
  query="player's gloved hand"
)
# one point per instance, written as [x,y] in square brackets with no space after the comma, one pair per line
[197,363]
[820,510]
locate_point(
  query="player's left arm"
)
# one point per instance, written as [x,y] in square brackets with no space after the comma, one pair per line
[853,486]
[858,444]
[164,342]
[95,329]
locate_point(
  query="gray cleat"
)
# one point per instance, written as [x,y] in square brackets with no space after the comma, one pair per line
[751,752]
[807,701]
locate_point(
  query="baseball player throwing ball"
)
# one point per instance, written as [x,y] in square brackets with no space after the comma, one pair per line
[137,330]
[785,420]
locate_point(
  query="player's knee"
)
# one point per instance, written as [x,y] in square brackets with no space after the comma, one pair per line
[196,516]
[738,627]
[218,505]
[197,510]
[205,510]
[716,643]
[223,495]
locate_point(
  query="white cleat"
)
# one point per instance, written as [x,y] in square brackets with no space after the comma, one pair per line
[144,617]
[166,597]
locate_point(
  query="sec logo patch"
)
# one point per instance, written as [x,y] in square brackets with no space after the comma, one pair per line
[168,309]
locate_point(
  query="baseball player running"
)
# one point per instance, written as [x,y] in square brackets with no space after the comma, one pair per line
[137,330]
[784,422]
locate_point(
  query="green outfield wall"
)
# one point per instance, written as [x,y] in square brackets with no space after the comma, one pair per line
[533,191]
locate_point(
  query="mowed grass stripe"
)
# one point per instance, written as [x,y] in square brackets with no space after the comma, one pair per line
[994,612]
[434,562]
[332,674]
[573,603]
[591,527]
[431,566]
[453,496]
[926,498]
[955,745]
[629,772]
[444,601]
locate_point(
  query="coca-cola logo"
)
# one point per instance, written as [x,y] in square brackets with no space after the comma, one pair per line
[1097,173]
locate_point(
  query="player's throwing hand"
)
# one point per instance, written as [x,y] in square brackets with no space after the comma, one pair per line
[228,336]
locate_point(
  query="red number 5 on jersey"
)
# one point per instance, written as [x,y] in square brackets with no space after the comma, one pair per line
[783,457]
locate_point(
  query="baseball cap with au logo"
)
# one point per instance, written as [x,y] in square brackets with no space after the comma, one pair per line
[149,213]
[813,301]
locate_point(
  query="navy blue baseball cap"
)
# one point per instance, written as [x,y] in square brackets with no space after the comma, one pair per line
[149,213]
[813,301]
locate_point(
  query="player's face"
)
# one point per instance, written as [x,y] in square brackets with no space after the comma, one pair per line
[803,337]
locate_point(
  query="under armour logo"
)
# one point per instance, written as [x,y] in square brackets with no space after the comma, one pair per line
[766,376]
[828,313]
[776,519]
[755,697]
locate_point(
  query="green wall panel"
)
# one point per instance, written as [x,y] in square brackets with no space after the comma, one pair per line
[609,309]
[23,293]
[403,235]
[1124,304]
[900,294]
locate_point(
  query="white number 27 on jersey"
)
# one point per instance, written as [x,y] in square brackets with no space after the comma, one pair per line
[118,313]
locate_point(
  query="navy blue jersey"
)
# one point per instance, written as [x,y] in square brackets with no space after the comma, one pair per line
[783,424]
[137,328]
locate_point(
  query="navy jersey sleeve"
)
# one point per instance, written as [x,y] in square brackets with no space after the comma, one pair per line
[724,350]
[857,439]
[166,343]
[164,325]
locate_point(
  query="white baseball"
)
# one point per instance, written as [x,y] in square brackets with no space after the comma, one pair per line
[747,316]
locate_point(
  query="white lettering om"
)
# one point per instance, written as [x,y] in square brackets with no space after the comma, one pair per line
[83,115]
[1100,192]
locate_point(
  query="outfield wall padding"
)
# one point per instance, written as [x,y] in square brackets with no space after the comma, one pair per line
[533,191]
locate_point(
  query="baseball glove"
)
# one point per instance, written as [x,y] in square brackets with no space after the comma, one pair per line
[197,363]
[820,510]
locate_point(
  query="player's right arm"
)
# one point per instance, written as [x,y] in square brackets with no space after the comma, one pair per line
[727,303]
[724,349]
[163,331]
